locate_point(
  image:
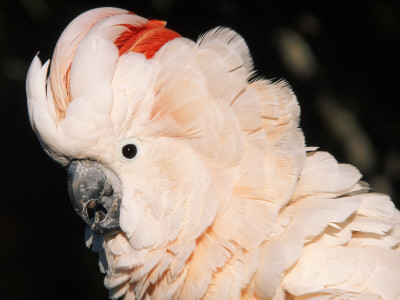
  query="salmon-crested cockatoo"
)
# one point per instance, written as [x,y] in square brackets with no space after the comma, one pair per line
[194,179]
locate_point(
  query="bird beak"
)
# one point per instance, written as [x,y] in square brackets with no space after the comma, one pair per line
[95,194]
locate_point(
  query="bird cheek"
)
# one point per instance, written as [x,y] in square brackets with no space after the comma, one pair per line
[129,213]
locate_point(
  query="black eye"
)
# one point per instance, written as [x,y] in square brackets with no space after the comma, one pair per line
[128,148]
[129,151]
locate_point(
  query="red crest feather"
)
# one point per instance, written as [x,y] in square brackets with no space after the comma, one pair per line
[146,39]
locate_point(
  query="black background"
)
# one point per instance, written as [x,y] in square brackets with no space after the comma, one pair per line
[354,44]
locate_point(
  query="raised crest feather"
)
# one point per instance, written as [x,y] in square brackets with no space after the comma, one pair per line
[146,39]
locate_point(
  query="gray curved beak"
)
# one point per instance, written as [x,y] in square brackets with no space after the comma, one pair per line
[95,194]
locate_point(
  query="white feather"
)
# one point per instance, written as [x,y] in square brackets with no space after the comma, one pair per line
[94,62]
[322,174]
[234,41]
[66,45]
[271,267]
[39,111]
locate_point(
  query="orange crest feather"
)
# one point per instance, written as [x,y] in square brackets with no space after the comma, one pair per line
[146,39]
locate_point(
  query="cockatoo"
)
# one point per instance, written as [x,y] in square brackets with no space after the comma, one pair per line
[194,179]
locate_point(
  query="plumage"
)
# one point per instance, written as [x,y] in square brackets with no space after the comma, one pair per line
[223,200]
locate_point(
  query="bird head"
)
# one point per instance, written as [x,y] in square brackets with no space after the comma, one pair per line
[128,109]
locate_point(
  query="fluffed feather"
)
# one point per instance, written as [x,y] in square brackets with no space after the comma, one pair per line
[224,200]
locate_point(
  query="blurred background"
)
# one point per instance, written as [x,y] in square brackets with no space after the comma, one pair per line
[341,58]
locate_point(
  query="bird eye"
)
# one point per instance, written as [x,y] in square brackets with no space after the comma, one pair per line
[128,149]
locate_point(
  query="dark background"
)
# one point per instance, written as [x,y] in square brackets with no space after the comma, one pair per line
[342,60]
